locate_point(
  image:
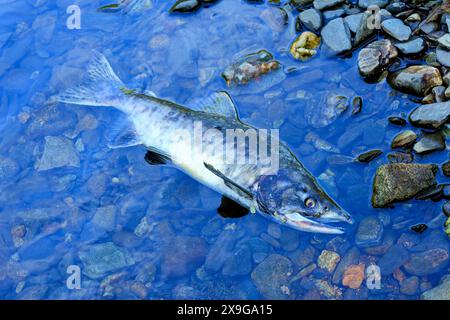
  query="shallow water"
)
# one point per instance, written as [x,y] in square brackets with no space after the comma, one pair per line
[159,226]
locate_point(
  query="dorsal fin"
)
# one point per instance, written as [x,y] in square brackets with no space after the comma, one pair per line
[218,103]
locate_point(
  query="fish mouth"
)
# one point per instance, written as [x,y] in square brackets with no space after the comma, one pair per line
[300,222]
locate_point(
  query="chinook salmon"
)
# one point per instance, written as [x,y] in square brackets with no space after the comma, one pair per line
[280,188]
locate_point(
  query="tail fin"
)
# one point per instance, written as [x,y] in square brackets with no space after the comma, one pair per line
[102,87]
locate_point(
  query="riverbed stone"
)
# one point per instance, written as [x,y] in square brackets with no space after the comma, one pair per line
[413,46]
[375,57]
[440,292]
[394,258]
[396,182]
[369,233]
[396,29]
[446,168]
[364,29]
[311,18]
[409,286]
[430,142]
[58,152]
[443,56]
[353,21]
[336,35]
[354,276]
[417,80]
[8,168]
[404,139]
[271,275]
[328,260]
[367,3]
[427,262]
[324,4]
[431,115]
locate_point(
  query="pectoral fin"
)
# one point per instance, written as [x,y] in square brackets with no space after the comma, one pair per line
[156,157]
[231,184]
[231,209]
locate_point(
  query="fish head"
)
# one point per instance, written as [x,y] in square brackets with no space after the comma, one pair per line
[294,198]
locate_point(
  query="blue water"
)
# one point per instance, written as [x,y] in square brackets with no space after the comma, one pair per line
[159,226]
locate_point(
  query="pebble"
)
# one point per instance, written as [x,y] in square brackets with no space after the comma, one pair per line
[430,142]
[418,80]
[353,21]
[398,121]
[375,57]
[369,233]
[445,41]
[311,18]
[354,276]
[430,116]
[446,168]
[184,6]
[324,4]
[369,156]
[443,56]
[396,29]
[409,286]
[404,139]
[328,260]
[58,152]
[411,47]
[367,3]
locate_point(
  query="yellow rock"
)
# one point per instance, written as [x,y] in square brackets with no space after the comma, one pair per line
[304,47]
[447,227]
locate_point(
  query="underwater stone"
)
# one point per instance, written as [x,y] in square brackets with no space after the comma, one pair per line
[184,6]
[427,262]
[400,182]
[271,275]
[8,168]
[58,152]
[394,258]
[369,155]
[370,232]
[440,292]
[404,139]
[354,276]
[409,286]
[311,18]
[429,143]
[396,29]
[304,47]
[336,36]
[431,115]
[418,80]
[103,258]
[446,168]
[328,260]
[375,57]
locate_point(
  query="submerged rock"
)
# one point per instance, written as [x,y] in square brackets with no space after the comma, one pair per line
[354,276]
[396,29]
[58,152]
[369,233]
[271,275]
[328,260]
[311,18]
[8,168]
[431,115]
[427,262]
[184,6]
[400,182]
[411,47]
[441,292]
[446,168]
[369,155]
[404,139]
[304,47]
[324,4]
[429,143]
[417,80]
[375,57]
[103,258]
[336,35]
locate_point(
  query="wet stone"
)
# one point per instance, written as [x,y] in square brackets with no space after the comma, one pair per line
[400,182]
[418,80]
[446,208]
[440,292]
[396,7]
[336,36]
[412,47]
[397,121]
[375,57]
[305,46]
[445,41]
[58,152]
[429,143]
[367,3]
[324,4]
[333,14]
[446,168]
[353,21]
[443,56]
[364,30]
[430,116]
[271,275]
[404,139]
[101,259]
[311,18]
[369,233]
[184,6]
[328,260]
[369,155]
[396,29]
[354,276]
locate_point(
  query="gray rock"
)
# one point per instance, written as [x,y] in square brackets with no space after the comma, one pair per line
[394,258]
[396,7]
[400,182]
[105,218]
[445,41]
[427,262]
[271,275]
[324,4]
[375,57]
[429,27]
[336,36]
[430,115]
[8,168]
[311,18]
[333,14]
[443,56]
[396,29]
[440,292]
[413,46]
[367,3]
[364,29]
[429,143]
[353,21]
[100,259]
[370,232]
[409,286]
[417,80]
[58,152]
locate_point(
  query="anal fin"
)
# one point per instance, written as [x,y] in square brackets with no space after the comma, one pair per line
[231,209]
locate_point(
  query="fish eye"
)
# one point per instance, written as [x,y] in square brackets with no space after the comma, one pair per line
[310,203]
